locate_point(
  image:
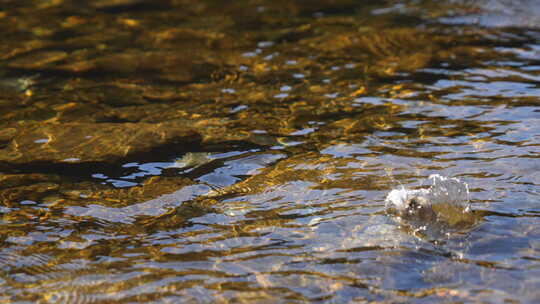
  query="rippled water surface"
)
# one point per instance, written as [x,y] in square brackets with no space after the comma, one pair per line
[178,151]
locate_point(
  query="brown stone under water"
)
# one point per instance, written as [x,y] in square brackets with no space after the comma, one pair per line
[89,142]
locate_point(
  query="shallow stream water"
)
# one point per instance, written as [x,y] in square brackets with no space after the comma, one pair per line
[178,151]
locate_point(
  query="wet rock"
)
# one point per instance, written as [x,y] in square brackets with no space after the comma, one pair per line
[89,142]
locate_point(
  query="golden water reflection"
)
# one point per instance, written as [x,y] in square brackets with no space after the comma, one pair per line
[203,151]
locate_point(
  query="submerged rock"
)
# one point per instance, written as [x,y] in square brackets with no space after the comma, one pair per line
[89,142]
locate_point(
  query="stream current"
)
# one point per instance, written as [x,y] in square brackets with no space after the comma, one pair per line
[269,152]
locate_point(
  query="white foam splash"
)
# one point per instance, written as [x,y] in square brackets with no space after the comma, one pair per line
[443,190]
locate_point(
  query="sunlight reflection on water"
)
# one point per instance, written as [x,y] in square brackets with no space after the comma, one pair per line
[307,125]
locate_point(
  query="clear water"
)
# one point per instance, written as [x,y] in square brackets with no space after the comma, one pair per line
[209,152]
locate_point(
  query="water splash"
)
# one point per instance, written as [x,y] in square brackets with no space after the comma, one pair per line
[443,190]
[440,209]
